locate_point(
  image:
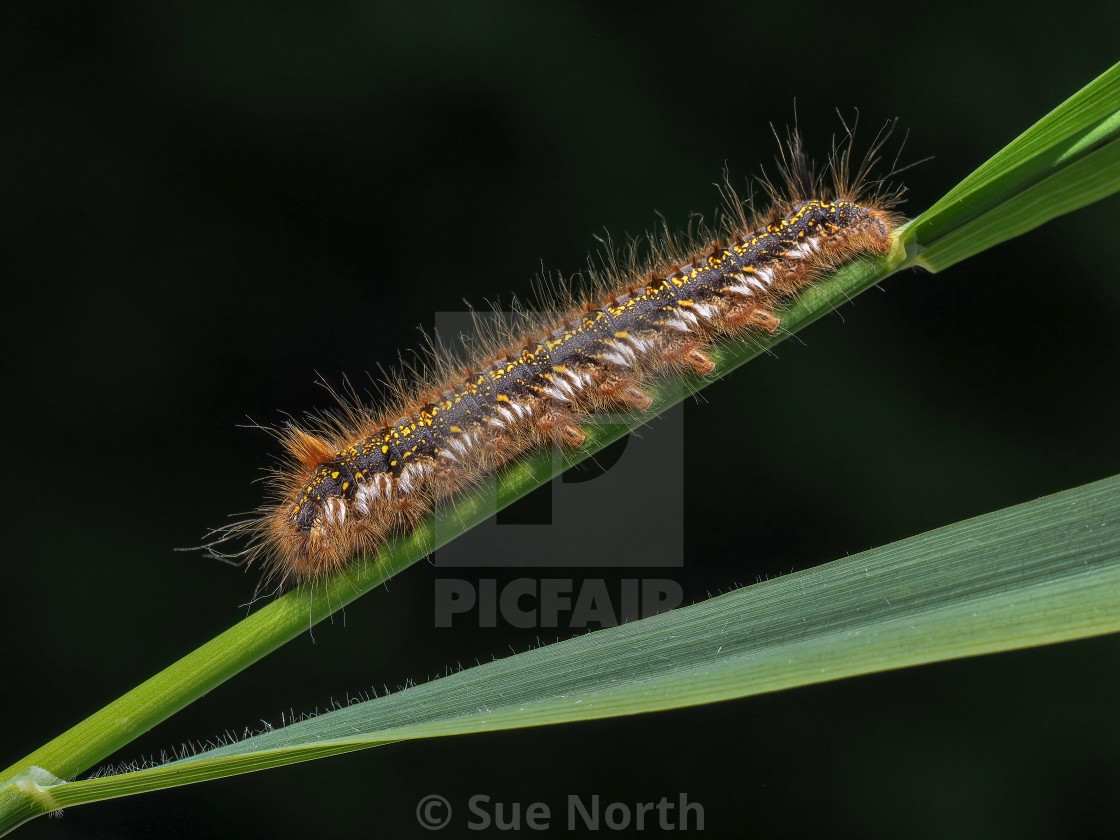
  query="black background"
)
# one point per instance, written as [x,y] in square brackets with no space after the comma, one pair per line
[204,205]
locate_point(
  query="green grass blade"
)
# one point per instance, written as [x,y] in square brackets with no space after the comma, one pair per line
[1038,573]
[1082,126]
[1027,180]
[1086,179]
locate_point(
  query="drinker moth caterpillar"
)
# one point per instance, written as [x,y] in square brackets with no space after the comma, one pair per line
[353,480]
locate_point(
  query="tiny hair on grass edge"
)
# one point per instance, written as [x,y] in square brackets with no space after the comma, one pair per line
[357,475]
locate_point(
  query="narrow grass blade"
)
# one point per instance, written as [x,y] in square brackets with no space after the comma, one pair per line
[1038,573]
[1064,161]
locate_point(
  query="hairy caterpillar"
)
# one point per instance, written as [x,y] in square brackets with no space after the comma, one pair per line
[353,480]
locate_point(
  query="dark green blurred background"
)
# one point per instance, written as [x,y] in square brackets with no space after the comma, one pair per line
[205,204]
